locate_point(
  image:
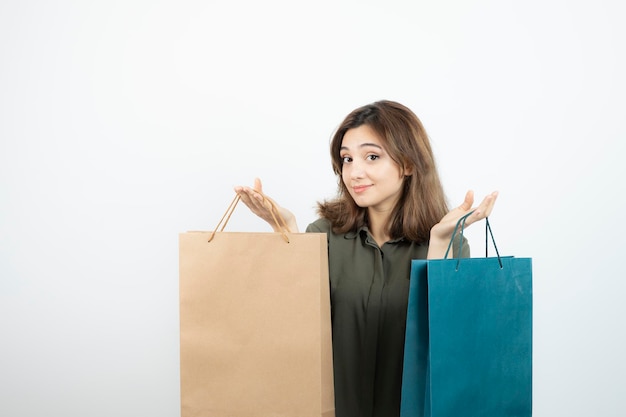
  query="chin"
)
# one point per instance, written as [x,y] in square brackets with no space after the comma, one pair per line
[360,202]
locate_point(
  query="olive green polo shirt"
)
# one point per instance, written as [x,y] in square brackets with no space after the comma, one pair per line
[369,288]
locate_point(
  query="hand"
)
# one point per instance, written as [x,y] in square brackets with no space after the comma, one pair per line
[441,233]
[261,205]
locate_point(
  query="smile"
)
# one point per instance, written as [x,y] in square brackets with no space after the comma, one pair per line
[360,188]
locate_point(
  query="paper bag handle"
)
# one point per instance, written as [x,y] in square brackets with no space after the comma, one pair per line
[488,231]
[282,226]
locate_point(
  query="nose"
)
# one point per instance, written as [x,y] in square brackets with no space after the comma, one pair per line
[357,170]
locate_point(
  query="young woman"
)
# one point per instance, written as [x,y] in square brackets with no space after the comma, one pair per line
[390,209]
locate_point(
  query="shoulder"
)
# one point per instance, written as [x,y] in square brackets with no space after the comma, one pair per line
[319,226]
[323,225]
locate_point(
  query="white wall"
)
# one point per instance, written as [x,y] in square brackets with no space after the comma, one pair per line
[123,123]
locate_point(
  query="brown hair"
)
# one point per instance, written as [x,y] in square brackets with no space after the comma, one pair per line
[422,203]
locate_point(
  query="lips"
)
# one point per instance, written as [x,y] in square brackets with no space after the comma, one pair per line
[360,188]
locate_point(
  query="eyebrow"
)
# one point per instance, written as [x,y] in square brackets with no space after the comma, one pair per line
[363,145]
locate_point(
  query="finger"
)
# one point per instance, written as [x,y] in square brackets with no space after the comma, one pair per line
[469,200]
[485,207]
[257,197]
[490,201]
[242,190]
[251,198]
[258,186]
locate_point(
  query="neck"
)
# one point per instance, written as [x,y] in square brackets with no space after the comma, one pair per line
[377,224]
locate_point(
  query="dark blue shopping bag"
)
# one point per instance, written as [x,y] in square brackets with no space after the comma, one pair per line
[468,348]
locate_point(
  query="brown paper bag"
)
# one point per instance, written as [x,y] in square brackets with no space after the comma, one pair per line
[255,337]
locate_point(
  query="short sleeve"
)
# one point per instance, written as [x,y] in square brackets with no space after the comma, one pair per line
[465,248]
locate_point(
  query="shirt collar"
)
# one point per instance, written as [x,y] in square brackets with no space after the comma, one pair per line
[364,232]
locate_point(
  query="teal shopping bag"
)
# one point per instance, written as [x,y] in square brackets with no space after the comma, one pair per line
[468,348]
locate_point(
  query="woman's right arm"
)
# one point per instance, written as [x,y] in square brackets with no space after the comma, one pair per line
[261,205]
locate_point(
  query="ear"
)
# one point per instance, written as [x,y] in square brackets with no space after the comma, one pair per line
[408,170]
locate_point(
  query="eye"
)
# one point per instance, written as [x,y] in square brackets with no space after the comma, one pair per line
[372,157]
[346,159]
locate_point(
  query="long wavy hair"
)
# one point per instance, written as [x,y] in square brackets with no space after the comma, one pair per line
[422,203]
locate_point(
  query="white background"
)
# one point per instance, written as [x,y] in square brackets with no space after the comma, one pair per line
[123,123]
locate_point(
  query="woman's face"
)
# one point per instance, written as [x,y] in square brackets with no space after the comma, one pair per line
[373,179]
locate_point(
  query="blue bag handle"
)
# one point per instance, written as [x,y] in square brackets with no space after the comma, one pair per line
[488,231]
